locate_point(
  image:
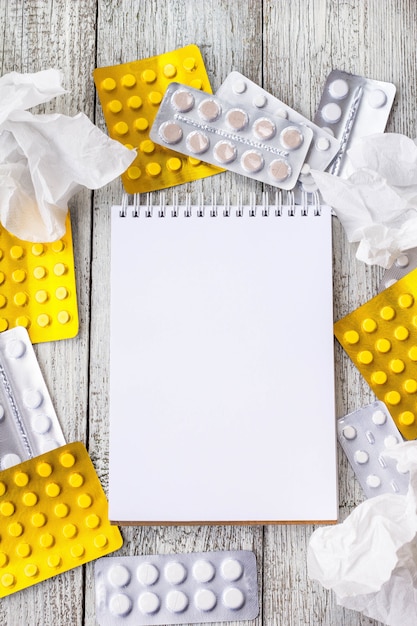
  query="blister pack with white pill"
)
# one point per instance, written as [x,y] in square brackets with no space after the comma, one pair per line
[365,435]
[352,107]
[237,88]
[28,422]
[176,588]
[405,263]
[243,138]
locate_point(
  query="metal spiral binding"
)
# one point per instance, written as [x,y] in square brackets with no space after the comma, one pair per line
[162,209]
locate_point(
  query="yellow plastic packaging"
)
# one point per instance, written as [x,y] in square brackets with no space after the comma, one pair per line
[130,95]
[381,339]
[37,287]
[53,517]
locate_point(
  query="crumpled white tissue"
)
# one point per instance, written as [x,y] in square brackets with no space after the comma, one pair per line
[377,203]
[46,159]
[370,560]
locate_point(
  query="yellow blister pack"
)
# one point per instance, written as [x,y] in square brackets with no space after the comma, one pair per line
[37,287]
[130,95]
[381,339]
[53,517]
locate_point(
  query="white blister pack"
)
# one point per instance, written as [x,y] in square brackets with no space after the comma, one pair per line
[237,89]
[352,107]
[243,138]
[28,422]
[176,588]
[365,435]
[404,264]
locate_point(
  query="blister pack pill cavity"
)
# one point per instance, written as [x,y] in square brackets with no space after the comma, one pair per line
[380,337]
[238,90]
[352,107]
[53,517]
[241,139]
[405,263]
[130,95]
[365,435]
[176,588]
[28,422]
[37,287]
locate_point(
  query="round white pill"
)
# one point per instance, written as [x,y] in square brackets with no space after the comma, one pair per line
[328,130]
[259,101]
[32,398]
[239,86]
[379,417]
[8,460]
[306,169]
[322,144]
[176,601]
[339,89]
[401,469]
[203,571]
[175,572]
[390,441]
[373,481]
[349,432]
[390,283]
[1,412]
[402,261]
[231,569]
[120,604]
[15,349]
[205,600]
[119,575]
[233,598]
[147,574]
[148,603]
[41,424]
[281,113]
[377,98]
[331,113]
[49,444]
[361,457]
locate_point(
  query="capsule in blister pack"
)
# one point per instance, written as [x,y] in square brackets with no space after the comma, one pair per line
[365,435]
[242,138]
[237,90]
[352,107]
[176,588]
[405,263]
[28,422]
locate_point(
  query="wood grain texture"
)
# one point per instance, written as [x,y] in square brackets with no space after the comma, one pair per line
[289,46]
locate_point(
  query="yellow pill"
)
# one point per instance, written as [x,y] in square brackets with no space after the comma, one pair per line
[134,102]
[77,551]
[22,320]
[38,249]
[387,313]
[397,366]
[196,83]
[69,531]
[2,278]
[7,509]
[108,84]
[61,510]
[406,300]
[121,128]
[170,70]
[43,320]
[412,353]
[84,500]
[365,357]
[3,301]
[4,324]
[31,570]
[153,169]
[39,272]
[141,123]
[15,529]
[44,469]
[128,81]
[174,164]
[41,296]
[383,345]
[406,418]
[92,521]
[8,580]
[19,276]
[52,490]
[38,520]
[16,252]
[59,269]
[100,541]
[47,540]
[189,64]
[30,498]
[192,161]
[61,293]
[401,333]
[410,385]
[147,146]
[393,398]
[3,488]
[155,97]
[54,561]
[20,298]
[115,106]
[63,317]
[148,76]
[76,480]
[67,459]
[134,172]
[58,246]
[23,550]
[4,559]
[21,479]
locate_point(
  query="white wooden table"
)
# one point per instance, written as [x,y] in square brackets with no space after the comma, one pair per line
[288,46]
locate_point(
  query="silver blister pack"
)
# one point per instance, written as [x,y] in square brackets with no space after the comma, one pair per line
[237,89]
[365,435]
[243,139]
[176,588]
[352,107]
[405,263]
[28,422]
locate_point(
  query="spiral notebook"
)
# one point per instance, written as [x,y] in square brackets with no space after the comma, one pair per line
[221,365]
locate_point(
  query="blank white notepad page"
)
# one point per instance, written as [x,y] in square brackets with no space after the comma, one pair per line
[221,368]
